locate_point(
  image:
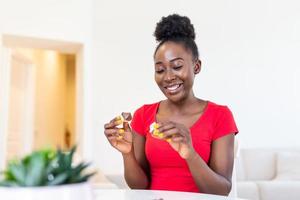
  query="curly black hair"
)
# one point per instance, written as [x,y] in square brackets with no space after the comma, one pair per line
[177,29]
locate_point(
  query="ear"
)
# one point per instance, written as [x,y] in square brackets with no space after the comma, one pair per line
[197,67]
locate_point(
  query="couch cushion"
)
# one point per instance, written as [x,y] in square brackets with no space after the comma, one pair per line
[278,190]
[259,164]
[247,190]
[288,166]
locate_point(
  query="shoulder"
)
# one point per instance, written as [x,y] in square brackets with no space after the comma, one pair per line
[217,108]
[218,112]
[148,109]
[222,120]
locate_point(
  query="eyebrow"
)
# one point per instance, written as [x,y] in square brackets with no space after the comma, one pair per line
[172,60]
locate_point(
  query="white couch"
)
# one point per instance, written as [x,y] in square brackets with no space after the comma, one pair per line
[268,174]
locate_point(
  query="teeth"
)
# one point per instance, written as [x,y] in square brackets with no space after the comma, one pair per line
[174,87]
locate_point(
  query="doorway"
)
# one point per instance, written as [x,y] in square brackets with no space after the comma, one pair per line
[43,85]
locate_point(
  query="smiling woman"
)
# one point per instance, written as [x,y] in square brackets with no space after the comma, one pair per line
[182,143]
[175,70]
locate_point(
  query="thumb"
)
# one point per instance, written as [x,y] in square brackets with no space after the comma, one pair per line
[126,126]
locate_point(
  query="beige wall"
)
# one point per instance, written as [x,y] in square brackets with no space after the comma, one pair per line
[50,99]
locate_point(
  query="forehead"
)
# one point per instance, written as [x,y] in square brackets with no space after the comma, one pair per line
[170,50]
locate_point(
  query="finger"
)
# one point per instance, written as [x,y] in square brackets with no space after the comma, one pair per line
[157,134]
[116,118]
[110,131]
[177,138]
[116,134]
[116,121]
[162,127]
[170,133]
[126,126]
[109,125]
[113,138]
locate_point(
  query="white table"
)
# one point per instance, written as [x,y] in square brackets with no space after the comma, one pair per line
[118,194]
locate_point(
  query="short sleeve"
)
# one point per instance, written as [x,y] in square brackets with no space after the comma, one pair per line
[225,123]
[137,123]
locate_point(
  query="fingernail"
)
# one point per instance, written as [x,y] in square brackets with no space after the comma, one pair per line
[119,122]
[118,117]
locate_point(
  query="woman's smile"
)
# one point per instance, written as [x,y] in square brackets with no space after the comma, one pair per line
[174,88]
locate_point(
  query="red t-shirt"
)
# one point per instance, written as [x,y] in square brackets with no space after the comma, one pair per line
[168,170]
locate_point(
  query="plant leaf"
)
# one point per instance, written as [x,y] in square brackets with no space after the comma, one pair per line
[59,179]
[17,172]
[69,156]
[84,178]
[36,170]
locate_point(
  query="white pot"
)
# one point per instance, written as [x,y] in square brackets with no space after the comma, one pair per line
[80,191]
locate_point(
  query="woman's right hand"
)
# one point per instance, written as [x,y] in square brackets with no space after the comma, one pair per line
[120,139]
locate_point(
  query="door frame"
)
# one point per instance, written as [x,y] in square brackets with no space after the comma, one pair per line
[29,91]
[8,41]
[4,99]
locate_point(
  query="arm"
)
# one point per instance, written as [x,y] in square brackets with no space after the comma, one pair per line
[214,178]
[136,168]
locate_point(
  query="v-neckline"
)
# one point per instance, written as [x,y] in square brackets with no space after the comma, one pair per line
[196,122]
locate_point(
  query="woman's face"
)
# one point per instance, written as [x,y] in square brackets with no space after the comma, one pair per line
[175,70]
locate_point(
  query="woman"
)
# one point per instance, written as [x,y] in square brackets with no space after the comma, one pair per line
[193,151]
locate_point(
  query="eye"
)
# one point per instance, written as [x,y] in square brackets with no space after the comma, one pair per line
[177,67]
[159,71]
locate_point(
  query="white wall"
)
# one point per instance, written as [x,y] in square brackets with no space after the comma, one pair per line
[249,50]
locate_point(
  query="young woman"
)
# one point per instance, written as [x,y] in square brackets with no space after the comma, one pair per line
[193,150]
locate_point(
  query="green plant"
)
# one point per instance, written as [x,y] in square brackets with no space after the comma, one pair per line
[45,168]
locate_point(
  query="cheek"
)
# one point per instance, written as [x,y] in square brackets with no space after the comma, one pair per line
[188,77]
[157,79]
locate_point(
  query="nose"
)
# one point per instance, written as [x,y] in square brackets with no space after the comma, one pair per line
[170,76]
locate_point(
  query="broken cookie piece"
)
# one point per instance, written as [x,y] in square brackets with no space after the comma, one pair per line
[124,118]
[154,130]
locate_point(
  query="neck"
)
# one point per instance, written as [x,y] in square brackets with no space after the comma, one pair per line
[182,106]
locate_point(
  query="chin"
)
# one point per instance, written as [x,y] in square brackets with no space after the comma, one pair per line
[176,99]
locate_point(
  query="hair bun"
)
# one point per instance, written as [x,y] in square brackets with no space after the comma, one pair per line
[174,26]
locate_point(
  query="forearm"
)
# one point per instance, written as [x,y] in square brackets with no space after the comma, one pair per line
[206,179]
[135,176]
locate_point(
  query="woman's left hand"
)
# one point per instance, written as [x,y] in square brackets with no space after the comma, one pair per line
[179,137]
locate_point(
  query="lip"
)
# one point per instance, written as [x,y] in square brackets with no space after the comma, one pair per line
[173,88]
